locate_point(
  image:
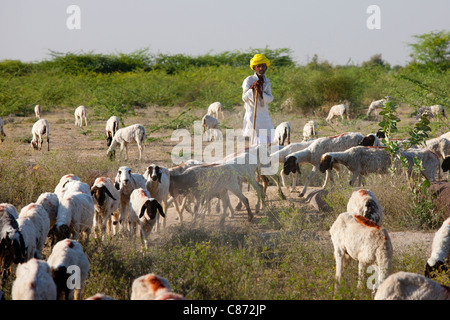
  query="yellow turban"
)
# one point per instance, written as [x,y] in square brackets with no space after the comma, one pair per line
[259,59]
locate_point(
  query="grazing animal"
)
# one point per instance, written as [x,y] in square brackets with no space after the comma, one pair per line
[37,111]
[283,134]
[128,135]
[67,254]
[411,286]
[364,203]
[158,181]
[153,287]
[80,114]
[106,202]
[40,128]
[376,104]
[33,281]
[338,111]
[50,202]
[126,181]
[112,125]
[143,212]
[310,130]
[359,238]
[440,251]
[210,123]
[215,109]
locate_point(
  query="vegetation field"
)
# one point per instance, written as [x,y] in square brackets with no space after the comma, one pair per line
[286,251]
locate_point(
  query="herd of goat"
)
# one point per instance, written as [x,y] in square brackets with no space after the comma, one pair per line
[133,203]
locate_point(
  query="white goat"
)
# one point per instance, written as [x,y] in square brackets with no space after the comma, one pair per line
[33,282]
[158,181]
[364,203]
[411,286]
[376,104]
[80,114]
[112,125]
[210,126]
[215,109]
[106,202]
[128,135]
[37,111]
[143,212]
[338,111]
[281,156]
[205,182]
[310,130]
[440,251]
[430,162]
[40,128]
[126,181]
[50,202]
[34,225]
[63,181]
[2,130]
[438,110]
[282,134]
[359,160]
[149,287]
[65,257]
[313,153]
[359,238]
[441,147]
[75,213]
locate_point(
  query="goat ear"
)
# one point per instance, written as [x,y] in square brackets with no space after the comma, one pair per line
[108,193]
[159,207]
[94,190]
[144,207]
[117,185]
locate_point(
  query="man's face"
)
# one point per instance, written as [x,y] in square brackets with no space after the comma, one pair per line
[260,69]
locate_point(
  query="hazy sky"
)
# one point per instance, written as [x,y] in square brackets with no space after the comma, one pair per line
[335,30]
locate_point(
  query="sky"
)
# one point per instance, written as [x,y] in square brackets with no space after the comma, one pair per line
[335,30]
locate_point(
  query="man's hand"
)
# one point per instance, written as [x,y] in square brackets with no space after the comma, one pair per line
[258,85]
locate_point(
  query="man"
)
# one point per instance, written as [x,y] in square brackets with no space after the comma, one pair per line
[261,84]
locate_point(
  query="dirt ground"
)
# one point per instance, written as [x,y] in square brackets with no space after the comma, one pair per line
[90,142]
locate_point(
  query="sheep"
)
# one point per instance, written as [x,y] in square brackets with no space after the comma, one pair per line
[210,123]
[126,181]
[282,134]
[359,160]
[215,109]
[40,128]
[106,201]
[281,156]
[411,286]
[310,130]
[364,203]
[441,147]
[158,180]
[67,261]
[440,253]
[359,238]
[112,125]
[313,153]
[80,113]
[12,243]
[124,136]
[37,111]
[430,162]
[376,104]
[208,181]
[338,111]
[2,130]
[33,282]
[50,202]
[143,212]
[34,225]
[75,213]
[435,110]
[149,287]
[63,181]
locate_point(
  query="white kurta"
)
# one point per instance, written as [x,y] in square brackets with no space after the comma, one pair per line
[263,120]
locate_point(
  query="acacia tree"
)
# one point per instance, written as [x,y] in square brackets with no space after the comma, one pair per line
[432,50]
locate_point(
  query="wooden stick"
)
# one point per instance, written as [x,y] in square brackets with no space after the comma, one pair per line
[254,116]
